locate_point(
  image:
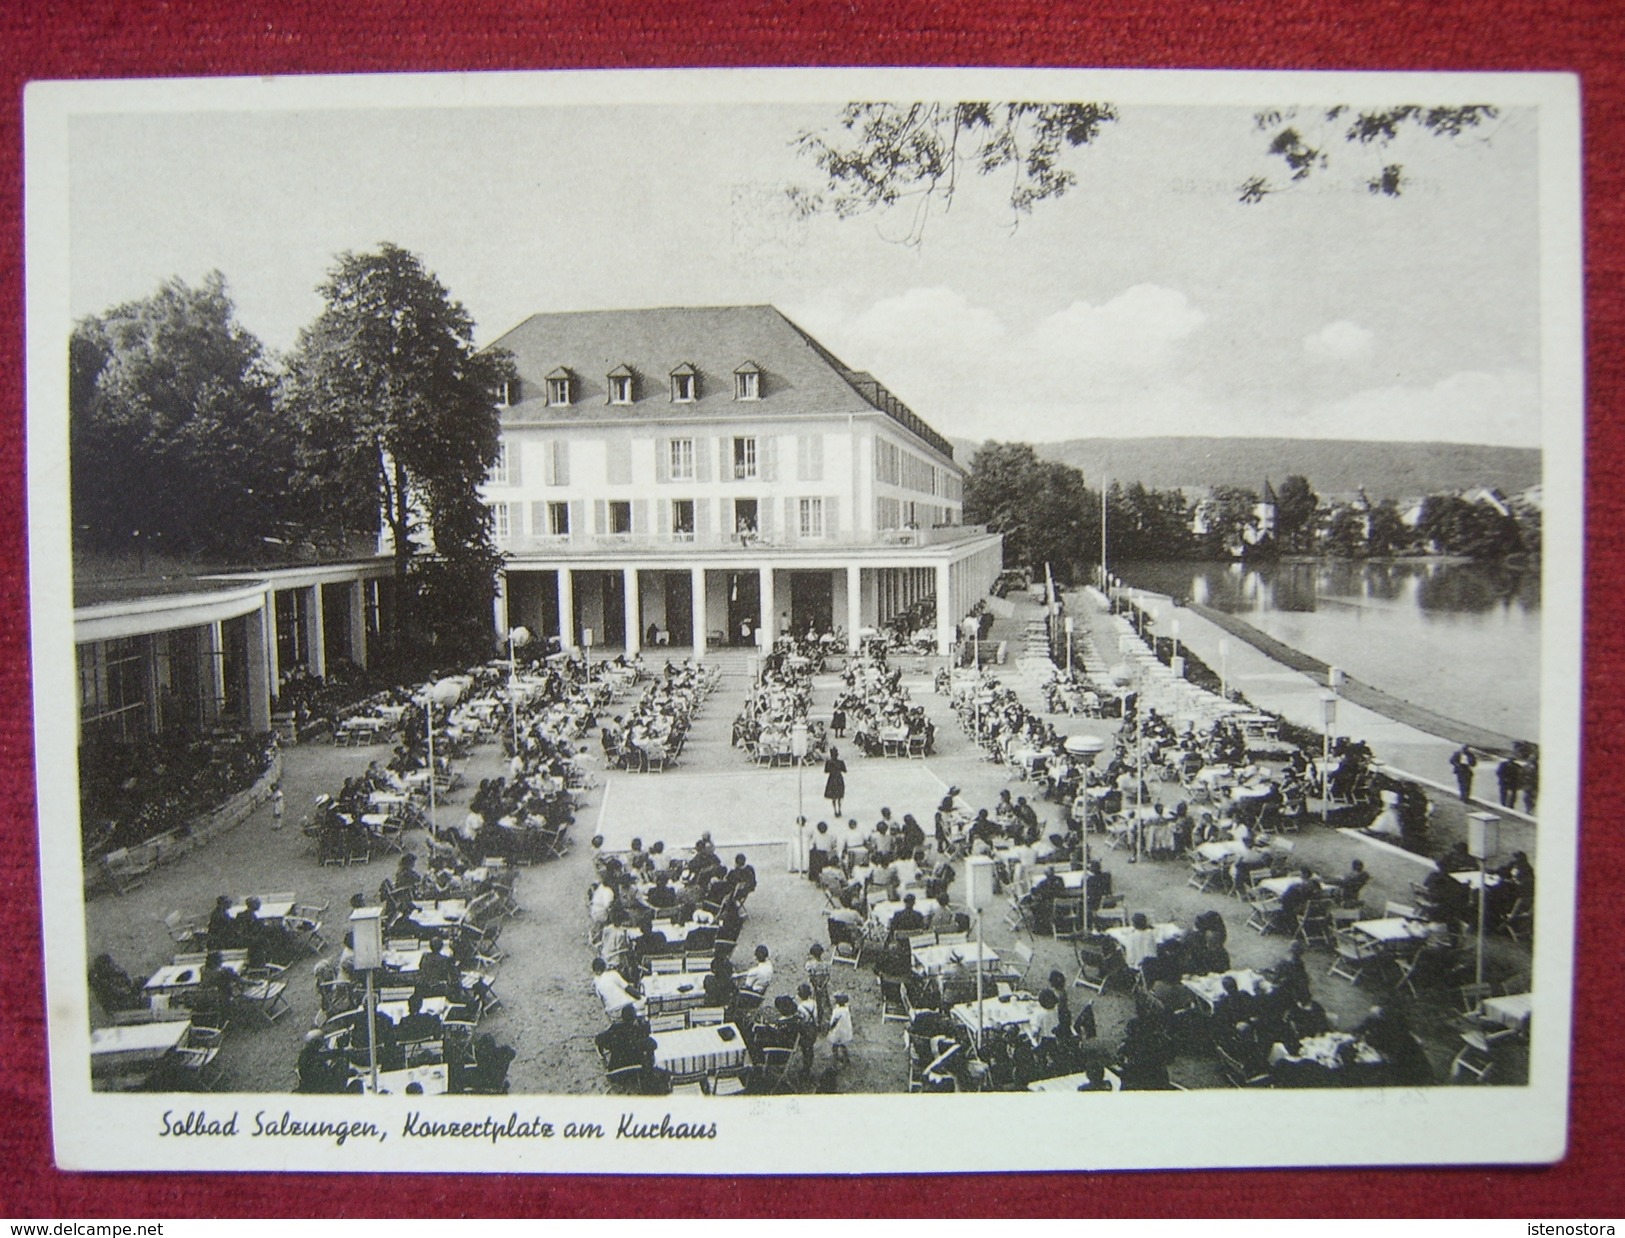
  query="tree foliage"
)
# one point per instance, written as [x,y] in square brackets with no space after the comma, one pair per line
[1295,505]
[880,155]
[1041,506]
[398,416]
[174,443]
[884,153]
[1454,525]
[1304,139]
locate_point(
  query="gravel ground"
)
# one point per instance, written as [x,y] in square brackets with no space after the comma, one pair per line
[550,1012]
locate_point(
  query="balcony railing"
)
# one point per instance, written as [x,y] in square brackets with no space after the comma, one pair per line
[687,543]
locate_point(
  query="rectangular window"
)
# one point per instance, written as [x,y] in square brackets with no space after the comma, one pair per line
[682,459]
[620,389]
[682,388]
[682,519]
[500,527]
[744,459]
[558,519]
[812,517]
[748,386]
[508,393]
[558,392]
[499,470]
[620,516]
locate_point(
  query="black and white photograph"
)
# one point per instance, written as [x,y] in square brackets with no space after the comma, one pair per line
[787,620]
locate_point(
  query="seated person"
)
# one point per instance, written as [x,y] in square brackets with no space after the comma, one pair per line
[759,975]
[438,973]
[1353,882]
[322,1070]
[418,1025]
[1095,1079]
[613,990]
[741,878]
[720,988]
[627,1043]
[907,919]
[943,917]
[1142,941]
[112,986]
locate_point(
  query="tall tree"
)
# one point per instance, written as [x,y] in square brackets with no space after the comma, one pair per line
[1041,507]
[174,443]
[399,420]
[1295,506]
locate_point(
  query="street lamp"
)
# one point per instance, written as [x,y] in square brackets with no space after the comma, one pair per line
[586,653]
[1328,719]
[798,749]
[1483,841]
[1069,646]
[517,639]
[1224,668]
[367,942]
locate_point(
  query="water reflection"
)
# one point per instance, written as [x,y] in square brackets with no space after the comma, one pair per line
[1460,638]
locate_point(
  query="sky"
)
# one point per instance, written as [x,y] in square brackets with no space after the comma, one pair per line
[1146,301]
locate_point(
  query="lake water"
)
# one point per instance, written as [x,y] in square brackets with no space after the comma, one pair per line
[1460,639]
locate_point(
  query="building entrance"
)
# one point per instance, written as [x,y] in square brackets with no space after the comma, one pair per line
[812,603]
[744,607]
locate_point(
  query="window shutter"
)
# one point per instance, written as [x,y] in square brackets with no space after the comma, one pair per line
[832,516]
[663,513]
[577,524]
[768,458]
[792,520]
[725,459]
[702,461]
[662,460]
[600,516]
[803,445]
[815,457]
[702,517]
[764,519]
[538,520]
[515,476]
[640,516]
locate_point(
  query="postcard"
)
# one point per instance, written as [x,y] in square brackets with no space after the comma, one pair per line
[792,621]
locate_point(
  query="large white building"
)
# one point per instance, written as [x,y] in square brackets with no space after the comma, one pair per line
[703,475]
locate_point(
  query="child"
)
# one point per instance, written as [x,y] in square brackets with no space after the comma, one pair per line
[276,807]
[818,978]
[840,1031]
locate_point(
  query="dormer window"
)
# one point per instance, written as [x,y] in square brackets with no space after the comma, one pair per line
[684,384]
[560,388]
[507,393]
[748,382]
[620,385]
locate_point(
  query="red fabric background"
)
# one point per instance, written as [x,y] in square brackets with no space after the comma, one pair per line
[121,38]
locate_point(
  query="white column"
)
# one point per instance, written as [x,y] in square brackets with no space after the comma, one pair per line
[358,621]
[854,605]
[258,687]
[769,619]
[945,614]
[499,606]
[697,606]
[317,634]
[567,609]
[272,658]
[634,620]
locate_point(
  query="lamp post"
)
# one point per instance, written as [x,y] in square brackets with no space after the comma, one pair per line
[586,654]
[1483,841]
[517,638]
[1224,668]
[798,749]
[1328,719]
[443,692]
[367,934]
[1069,646]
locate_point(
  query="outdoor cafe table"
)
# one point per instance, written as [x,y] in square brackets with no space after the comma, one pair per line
[397,1011]
[1165,932]
[1209,988]
[268,911]
[674,989]
[694,1050]
[172,977]
[1326,1050]
[1393,930]
[1071,1083]
[1513,1010]
[444,913]
[1473,880]
[1278,885]
[934,960]
[997,1012]
[1222,850]
[432,1078]
[137,1046]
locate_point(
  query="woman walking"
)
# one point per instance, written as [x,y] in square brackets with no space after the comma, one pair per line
[835,782]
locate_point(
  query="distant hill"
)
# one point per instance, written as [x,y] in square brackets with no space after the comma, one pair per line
[1333,466]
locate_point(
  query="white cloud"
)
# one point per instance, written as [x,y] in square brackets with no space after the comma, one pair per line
[1338,341]
[1471,406]
[1135,332]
